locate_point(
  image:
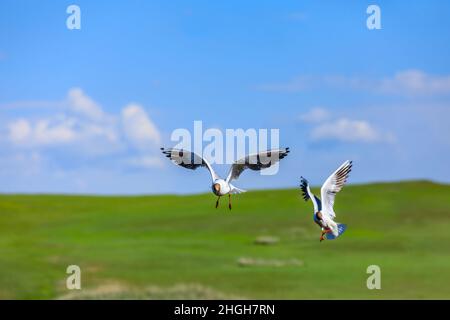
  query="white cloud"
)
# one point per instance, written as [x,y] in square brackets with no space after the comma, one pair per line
[84,129]
[415,82]
[407,82]
[139,128]
[315,115]
[84,105]
[19,130]
[109,132]
[41,132]
[46,132]
[346,130]
[342,129]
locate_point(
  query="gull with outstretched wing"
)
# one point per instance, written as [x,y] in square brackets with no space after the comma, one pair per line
[221,187]
[323,209]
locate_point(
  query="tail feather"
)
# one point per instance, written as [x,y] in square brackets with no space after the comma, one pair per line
[334,228]
[235,190]
[340,230]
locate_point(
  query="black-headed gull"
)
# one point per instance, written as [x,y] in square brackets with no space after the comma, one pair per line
[323,210]
[221,187]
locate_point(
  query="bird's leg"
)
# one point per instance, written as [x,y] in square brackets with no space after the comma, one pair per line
[321,236]
[217,202]
[324,232]
[229,201]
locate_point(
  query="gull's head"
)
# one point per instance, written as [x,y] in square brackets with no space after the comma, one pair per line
[219,187]
[318,218]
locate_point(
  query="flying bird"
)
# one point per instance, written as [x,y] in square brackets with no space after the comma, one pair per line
[323,210]
[221,187]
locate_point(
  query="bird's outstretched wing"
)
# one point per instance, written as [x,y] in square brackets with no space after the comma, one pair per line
[188,160]
[256,162]
[333,185]
[307,194]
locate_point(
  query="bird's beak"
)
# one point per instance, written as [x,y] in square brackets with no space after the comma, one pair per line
[217,187]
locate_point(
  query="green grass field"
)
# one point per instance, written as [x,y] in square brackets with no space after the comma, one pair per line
[158,247]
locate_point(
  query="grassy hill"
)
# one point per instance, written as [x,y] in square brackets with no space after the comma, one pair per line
[182,247]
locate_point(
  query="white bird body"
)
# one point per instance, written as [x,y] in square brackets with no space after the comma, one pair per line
[324,214]
[221,187]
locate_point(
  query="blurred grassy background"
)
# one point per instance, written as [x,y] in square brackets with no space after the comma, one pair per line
[182,247]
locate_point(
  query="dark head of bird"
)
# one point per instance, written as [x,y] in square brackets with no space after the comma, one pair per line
[216,188]
[318,218]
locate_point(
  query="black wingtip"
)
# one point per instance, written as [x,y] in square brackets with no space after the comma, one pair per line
[303,186]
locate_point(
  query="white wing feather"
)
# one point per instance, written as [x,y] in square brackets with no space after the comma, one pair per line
[333,185]
[314,201]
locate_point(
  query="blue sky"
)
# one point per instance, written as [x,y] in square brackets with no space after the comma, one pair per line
[85,111]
